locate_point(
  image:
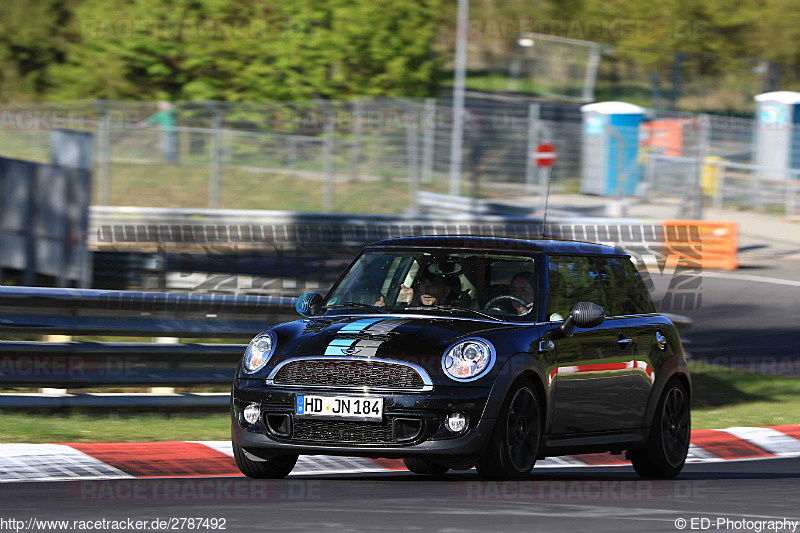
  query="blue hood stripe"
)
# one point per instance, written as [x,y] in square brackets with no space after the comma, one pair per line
[359,325]
[337,346]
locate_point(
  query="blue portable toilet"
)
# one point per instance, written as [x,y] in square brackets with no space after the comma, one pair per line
[610,164]
[777,142]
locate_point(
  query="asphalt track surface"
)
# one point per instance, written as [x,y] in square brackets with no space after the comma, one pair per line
[568,499]
[750,313]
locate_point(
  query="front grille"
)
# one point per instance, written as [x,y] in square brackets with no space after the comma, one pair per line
[348,373]
[342,432]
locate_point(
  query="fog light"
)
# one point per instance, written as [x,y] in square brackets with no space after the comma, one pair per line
[251,413]
[456,422]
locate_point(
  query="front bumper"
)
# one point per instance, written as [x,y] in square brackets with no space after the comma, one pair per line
[430,408]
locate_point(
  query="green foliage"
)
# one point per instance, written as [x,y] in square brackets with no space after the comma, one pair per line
[256,50]
[32,38]
[249,51]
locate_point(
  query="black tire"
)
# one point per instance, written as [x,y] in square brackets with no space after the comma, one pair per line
[274,468]
[514,445]
[669,435]
[424,466]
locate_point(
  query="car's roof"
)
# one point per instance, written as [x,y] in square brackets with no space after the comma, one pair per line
[554,246]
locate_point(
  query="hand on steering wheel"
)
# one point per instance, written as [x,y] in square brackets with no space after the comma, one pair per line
[522,303]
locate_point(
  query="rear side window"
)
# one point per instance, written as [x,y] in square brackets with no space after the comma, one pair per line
[627,293]
[572,280]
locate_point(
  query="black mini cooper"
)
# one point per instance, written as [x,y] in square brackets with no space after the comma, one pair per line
[454,352]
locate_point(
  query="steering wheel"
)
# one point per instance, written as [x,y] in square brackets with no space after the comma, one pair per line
[491,304]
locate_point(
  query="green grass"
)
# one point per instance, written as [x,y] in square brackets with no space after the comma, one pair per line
[82,427]
[185,185]
[722,398]
[725,397]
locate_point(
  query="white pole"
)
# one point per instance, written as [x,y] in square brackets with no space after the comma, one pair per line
[429,139]
[456,141]
[533,131]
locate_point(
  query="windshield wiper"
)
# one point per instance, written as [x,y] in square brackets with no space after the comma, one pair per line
[455,308]
[356,304]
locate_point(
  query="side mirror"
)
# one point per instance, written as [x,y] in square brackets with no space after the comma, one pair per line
[583,315]
[308,304]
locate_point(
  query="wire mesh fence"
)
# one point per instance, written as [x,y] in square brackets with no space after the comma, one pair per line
[375,155]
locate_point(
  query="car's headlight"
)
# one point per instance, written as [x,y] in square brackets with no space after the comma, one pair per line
[258,352]
[468,359]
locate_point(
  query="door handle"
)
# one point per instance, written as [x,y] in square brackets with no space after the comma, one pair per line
[623,343]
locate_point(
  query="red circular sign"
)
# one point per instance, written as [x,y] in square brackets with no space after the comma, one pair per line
[545,155]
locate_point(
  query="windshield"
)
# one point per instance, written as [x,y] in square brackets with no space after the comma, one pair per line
[468,283]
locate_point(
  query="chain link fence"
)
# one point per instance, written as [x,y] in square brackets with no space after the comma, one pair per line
[376,155]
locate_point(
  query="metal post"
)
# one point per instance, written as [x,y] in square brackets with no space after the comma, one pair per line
[719,186]
[216,156]
[544,172]
[533,134]
[677,66]
[705,137]
[649,177]
[456,140]
[514,68]
[763,71]
[413,164]
[291,150]
[755,188]
[476,155]
[327,147]
[428,140]
[591,72]
[357,112]
[104,152]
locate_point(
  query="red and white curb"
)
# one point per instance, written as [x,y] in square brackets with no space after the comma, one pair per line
[124,460]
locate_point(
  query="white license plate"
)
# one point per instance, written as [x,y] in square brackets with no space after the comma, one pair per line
[339,407]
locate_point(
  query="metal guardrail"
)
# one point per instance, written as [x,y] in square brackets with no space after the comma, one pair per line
[130,364]
[46,311]
[117,364]
[62,365]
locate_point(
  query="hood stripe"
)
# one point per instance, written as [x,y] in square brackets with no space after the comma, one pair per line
[366,347]
[337,345]
[359,325]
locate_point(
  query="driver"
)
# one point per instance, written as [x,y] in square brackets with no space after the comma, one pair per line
[435,289]
[431,289]
[522,287]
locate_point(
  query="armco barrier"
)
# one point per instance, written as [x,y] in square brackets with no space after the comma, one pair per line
[74,365]
[46,311]
[714,243]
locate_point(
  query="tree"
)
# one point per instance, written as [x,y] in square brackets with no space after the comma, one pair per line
[32,38]
[250,50]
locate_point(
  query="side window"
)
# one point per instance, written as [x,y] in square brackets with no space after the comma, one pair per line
[572,280]
[643,302]
[627,293]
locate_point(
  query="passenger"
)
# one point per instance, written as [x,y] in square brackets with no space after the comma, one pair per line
[522,287]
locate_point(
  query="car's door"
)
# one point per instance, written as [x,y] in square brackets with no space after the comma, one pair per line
[590,380]
[632,308]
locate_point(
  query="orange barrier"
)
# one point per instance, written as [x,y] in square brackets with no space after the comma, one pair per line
[669,136]
[713,244]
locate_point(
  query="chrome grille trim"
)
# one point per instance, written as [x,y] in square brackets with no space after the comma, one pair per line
[426,379]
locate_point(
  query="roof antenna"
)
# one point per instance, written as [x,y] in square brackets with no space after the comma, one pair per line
[546,198]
